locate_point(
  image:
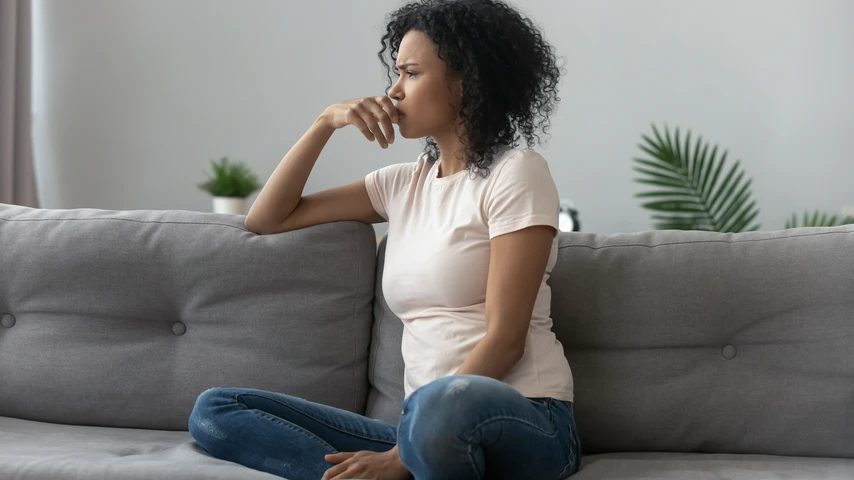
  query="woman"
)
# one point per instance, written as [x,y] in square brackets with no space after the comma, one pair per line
[472,238]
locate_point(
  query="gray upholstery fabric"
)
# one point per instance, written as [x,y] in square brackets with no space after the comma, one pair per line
[385,368]
[43,451]
[694,341]
[47,451]
[720,344]
[709,466]
[121,318]
[710,342]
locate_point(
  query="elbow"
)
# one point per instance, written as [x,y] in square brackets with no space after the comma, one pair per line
[250,225]
[518,352]
[262,228]
[516,346]
[255,227]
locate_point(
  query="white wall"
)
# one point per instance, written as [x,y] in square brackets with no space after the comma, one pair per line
[132,98]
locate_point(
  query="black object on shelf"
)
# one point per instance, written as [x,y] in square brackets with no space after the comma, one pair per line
[568,217]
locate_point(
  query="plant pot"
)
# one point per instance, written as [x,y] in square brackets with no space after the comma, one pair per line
[233,205]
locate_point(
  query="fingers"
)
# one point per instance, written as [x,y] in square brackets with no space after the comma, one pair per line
[368,117]
[334,472]
[338,457]
[386,121]
[376,113]
[389,107]
[372,113]
[368,113]
[355,118]
[342,464]
[378,133]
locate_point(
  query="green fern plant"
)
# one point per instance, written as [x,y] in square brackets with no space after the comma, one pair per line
[691,193]
[818,220]
[231,179]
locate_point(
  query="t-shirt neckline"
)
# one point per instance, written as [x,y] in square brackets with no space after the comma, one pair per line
[448,178]
[462,173]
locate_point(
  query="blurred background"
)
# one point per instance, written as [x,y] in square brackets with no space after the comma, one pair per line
[132,99]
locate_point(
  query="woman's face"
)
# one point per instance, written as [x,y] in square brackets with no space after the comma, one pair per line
[426,105]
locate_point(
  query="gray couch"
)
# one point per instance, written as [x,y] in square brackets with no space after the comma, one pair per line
[695,355]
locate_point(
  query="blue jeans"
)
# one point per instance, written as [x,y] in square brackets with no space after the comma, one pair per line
[458,427]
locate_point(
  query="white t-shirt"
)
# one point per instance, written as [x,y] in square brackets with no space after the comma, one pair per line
[437,262]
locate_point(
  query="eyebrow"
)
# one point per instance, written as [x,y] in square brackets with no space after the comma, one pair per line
[404,66]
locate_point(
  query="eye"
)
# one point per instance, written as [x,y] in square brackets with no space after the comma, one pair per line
[411,74]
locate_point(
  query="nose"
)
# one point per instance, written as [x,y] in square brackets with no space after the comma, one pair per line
[396,93]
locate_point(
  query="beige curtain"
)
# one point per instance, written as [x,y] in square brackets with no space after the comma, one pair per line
[17,174]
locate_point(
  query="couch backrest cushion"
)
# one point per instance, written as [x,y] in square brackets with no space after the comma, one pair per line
[698,341]
[122,318]
[385,366]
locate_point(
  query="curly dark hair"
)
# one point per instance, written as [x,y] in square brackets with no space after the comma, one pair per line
[509,72]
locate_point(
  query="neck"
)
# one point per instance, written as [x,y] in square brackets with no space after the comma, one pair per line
[452,154]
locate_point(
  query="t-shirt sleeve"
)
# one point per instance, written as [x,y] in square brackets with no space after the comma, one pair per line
[385,184]
[523,194]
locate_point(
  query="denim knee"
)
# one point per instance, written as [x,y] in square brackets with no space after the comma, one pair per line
[209,399]
[437,416]
[458,394]
[202,424]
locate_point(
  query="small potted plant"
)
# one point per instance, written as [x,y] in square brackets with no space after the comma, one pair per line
[231,183]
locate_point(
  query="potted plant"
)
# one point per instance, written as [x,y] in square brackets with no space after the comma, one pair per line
[231,183]
[819,219]
[696,190]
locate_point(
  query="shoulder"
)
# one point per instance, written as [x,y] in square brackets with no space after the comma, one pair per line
[521,193]
[419,165]
[519,172]
[518,164]
[401,170]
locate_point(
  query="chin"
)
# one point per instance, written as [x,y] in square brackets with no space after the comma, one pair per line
[405,133]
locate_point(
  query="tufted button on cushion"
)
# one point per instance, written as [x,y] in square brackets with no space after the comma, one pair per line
[729,352]
[178,328]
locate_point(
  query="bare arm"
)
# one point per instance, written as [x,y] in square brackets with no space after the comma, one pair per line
[281,206]
[517,263]
[283,191]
